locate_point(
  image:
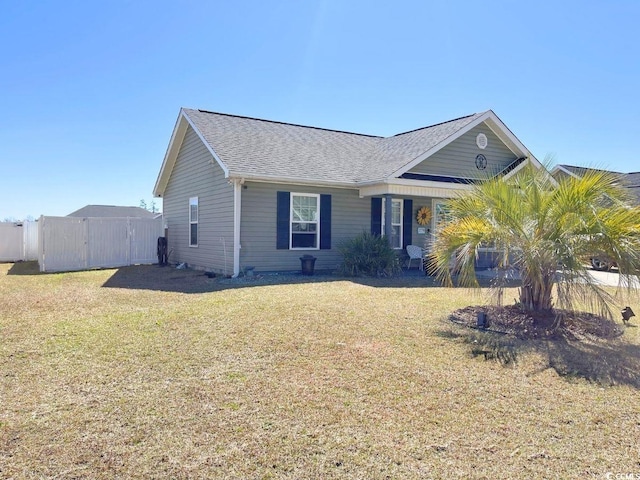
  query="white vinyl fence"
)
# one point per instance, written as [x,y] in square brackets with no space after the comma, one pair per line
[18,241]
[70,243]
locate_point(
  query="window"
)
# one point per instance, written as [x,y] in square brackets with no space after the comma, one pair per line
[442,215]
[396,222]
[303,221]
[193,222]
[305,215]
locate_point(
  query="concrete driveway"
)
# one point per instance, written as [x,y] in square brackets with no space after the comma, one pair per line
[607,278]
[602,278]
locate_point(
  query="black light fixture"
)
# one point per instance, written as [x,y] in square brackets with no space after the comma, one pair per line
[627,313]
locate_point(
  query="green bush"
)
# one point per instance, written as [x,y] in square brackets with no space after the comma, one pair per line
[368,255]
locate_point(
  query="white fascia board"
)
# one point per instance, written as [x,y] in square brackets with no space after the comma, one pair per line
[206,144]
[414,188]
[177,137]
[170,155]
[494,123]
[554,182]
[428,183]
[291,180]
[516,170]
[421,158]
[503,132]
[560,168]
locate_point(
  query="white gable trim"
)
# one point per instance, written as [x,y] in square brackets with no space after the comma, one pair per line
[536,164]
[493,122]
[209,147]
[177,137]
[498,127]
[560,168]
[516,170]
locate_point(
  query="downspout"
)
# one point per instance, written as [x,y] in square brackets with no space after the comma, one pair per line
[237,208]
[388,205]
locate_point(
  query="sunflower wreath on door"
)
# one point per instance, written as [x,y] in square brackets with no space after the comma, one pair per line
[423,216]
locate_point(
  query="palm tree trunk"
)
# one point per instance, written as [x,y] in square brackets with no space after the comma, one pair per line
[536,295]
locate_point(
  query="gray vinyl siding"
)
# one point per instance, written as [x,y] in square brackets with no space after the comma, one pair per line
[350,216]
[196,174]
[458,158]
[421,239]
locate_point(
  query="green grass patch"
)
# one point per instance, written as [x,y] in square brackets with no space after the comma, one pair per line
[154,373]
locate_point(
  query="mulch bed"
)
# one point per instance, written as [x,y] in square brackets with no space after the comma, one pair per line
[513,321]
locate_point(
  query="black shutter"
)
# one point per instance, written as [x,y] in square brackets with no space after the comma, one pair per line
[282,226]
[376,216]
[407,222]
[325,222]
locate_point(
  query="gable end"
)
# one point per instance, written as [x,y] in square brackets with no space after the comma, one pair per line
[177,137]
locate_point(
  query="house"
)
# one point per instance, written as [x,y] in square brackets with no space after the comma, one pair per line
[112,211]
[630,180]
[240,191]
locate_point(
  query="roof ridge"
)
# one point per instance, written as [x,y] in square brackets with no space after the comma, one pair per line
[290,124]
[436,124]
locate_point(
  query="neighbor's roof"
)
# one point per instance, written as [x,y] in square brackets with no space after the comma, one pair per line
[632,179]
[112,211]
[629,180]
[576,170]
[632,182]
[253,148]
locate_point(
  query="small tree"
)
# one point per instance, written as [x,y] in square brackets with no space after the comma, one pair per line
[545,230]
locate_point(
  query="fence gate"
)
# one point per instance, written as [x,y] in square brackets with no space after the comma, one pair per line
[70,243]
[18,241]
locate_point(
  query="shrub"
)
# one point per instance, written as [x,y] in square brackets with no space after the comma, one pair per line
[368,255]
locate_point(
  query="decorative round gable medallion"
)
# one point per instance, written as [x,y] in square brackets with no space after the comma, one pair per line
[481,162]
[481,141]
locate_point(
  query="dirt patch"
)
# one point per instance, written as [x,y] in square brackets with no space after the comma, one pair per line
[522,324]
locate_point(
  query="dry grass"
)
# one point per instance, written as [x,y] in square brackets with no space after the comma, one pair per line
[125,374]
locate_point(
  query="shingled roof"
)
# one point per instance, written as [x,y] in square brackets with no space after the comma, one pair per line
[111,211]
[254,148]
[267,148]
[632,182]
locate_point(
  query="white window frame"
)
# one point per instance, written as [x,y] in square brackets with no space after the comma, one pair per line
[436,224]
[193,201]
[401,202]
[292,221]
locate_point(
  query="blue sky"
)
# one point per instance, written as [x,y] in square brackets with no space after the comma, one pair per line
[90,91]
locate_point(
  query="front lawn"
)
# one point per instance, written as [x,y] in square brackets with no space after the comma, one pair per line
[149,372]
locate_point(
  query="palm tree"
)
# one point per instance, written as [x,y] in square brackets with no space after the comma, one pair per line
[546,230]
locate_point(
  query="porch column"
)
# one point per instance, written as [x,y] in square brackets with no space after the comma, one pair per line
[387,216]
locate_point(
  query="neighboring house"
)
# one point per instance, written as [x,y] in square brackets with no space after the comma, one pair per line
[600,261]
[240,191]
[112,211]
[629,180]
[632,182]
